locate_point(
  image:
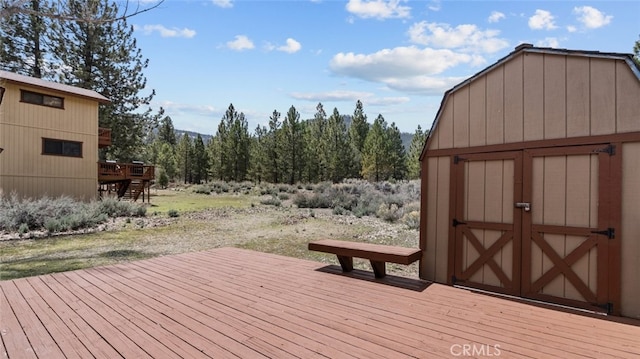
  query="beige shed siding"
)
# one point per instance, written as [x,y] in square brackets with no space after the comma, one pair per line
[578,93]
[513,100]
[534,96]
[438,220]
[478,113]
[538,96]
[627,100]
[23,167]
[630,230]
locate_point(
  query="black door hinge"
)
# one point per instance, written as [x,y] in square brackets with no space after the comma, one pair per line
[610,150]
[457,159]
[609,232]
[455,222]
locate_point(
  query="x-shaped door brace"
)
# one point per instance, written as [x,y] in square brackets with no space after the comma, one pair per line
[563,265]
[486,256]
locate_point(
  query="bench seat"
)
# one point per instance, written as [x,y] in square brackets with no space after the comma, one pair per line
[377,254]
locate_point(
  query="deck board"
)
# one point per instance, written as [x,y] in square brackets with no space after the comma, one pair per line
[233,303]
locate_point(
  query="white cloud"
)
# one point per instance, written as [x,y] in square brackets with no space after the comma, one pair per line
[465,37]
[166,32]
[435,5]
[571,28]
[542,20]
[331,96]
[378,9]
[591,18]
[548,42]
[403,68]
[349,96]
[240,43]
[291,46]
[223,3]
[496,16]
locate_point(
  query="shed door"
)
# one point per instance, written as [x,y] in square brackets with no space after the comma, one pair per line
[487,226]
[534,224]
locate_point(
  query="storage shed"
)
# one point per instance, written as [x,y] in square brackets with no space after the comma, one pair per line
[531,181]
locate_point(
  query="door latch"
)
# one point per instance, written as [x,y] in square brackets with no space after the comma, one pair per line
[525,205]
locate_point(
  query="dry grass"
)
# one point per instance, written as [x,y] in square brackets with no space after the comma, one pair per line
[204,222]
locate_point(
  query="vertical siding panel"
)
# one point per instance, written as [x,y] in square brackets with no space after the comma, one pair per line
[445,125]
[578,98]
[533,97]
[25,169]
[627,99]
[555,97]
[537,210]
[603,90]
[461,118]
[442,233]
[478,112]
[495,106]
[630,284]
[432,210]
[555,174]
[513,90]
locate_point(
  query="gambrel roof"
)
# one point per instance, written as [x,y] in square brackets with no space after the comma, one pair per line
[528,48]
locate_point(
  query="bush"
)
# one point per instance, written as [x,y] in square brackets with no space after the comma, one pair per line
[61,214]
[271,201]
[172,213]
[389,213]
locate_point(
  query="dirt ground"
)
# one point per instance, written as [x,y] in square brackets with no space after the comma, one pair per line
[284,230]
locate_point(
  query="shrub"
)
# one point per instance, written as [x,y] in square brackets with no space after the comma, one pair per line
[283,196]
[271,201]
[389,213]
[411,220]
[172,213]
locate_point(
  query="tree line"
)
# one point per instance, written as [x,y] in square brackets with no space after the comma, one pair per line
[287,150]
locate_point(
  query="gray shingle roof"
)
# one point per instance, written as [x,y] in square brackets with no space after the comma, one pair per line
[53,86]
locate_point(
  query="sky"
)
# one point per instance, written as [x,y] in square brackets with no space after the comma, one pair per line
[397,57]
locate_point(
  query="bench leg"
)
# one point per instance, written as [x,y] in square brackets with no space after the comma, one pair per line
[346,263]
[379,269]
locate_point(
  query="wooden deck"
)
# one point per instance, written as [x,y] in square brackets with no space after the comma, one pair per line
[233,303]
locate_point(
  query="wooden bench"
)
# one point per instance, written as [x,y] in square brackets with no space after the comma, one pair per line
[377,254]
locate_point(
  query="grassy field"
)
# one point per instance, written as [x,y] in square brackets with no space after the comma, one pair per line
[203,222]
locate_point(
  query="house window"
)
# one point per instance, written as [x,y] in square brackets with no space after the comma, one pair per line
[61,147]
[41,99]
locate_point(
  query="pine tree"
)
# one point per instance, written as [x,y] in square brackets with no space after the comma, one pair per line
[166,131]
[339,155]
[239,147]
[315,154]
[167,160]
[103,56]
[375,152]
[258,155]
[357,134]
[273,148]
[184,157]
[397,155]
[415,150]
[200,161]
[291,136]
[23,39]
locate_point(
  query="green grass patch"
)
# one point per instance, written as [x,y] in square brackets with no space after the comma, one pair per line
[187,201]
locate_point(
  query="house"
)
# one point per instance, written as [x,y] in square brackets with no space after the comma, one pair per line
[531,181]
[49,138]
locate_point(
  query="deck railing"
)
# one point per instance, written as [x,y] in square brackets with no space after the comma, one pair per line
[104,137]
[114,171]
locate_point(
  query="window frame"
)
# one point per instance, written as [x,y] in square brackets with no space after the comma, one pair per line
[42,99]
[62,153]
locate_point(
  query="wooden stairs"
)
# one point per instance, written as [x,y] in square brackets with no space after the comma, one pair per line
[127,181]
